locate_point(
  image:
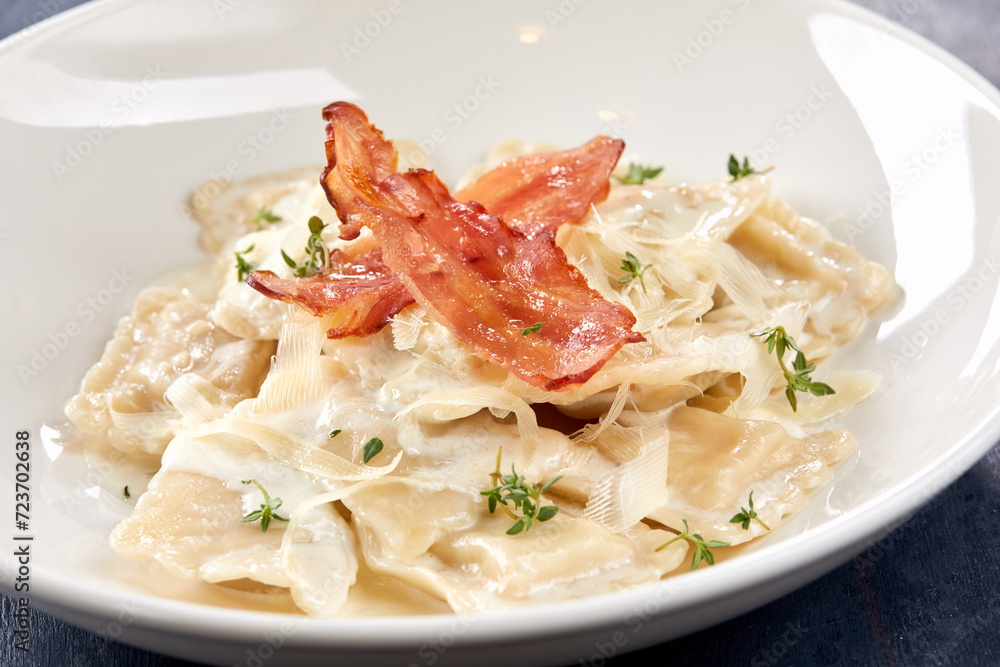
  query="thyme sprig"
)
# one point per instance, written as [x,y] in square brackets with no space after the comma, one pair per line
[639,174]
[799,376]
[747,515]
[633,269]
[524,496]
[265,215]
[317,254]
[738,171]
[534,328]
[243,267]
[701,547]
[266,511]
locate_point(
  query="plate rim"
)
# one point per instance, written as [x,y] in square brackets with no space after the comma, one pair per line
[861,524]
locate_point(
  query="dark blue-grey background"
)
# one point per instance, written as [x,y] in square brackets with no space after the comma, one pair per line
[928,594]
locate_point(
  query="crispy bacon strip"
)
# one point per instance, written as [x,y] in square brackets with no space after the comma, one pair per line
[538,193]
[533,193]
[478,277]
[366,157]
[359,289]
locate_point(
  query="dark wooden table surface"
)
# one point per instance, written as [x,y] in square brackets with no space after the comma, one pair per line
[928,594]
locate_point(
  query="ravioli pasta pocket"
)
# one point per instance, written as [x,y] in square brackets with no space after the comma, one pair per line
[662,412]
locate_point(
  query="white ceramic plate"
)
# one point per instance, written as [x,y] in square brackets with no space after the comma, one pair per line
[111,114]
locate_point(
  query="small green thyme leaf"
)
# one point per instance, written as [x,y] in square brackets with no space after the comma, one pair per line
[316,225]
[335,432]
[799,377]
[372,448]
[266,511]
[547,512]
[534,328]
[639,174]
[126,493]
[701,547]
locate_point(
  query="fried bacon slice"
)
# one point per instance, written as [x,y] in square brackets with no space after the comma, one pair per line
[538,193]
[470,271]
[359,289]
[533,193]
[366,157]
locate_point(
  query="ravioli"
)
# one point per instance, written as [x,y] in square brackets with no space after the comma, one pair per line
[379,427]
[168,334]
[451,547]
[716,461]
